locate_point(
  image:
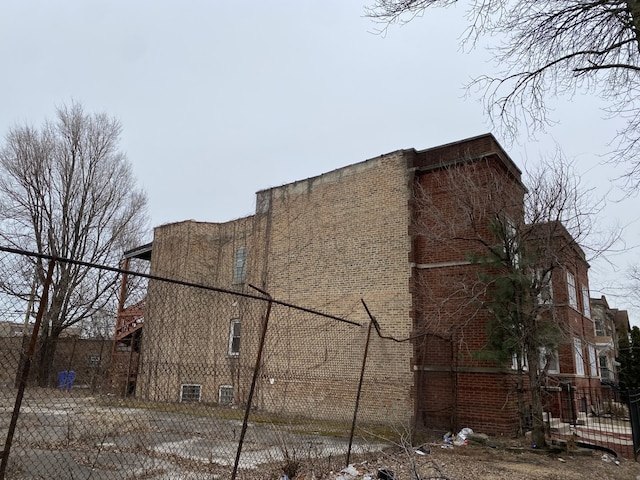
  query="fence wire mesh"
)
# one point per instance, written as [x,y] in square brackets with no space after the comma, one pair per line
[156,383]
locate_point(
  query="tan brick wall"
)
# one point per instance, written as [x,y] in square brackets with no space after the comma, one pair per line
[324,243]
[186,332]
[199,252]
[333,240]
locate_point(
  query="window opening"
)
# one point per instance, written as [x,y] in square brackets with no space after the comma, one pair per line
[586,308]
[571,286]
[225,395]
[239,265]
[578,356]
[190,392]
[234,338]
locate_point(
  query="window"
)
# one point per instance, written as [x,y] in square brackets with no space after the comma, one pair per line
[190,392]
[234,338]
[578,356]
[225,395]
[585,302]
[599,328]
[239,265]
[603,362]
[571,286]
[515,358]
[543,286]
[93,360]
[605,373]
[593,366]
[511,243]
[549,359]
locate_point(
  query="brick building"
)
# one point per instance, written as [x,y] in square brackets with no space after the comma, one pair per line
[609,323]
[399,231]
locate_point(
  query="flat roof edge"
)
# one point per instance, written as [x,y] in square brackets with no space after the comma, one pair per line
[141,251]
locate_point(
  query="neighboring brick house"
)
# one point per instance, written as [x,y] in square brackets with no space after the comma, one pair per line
[622,325]
[609,324]
[575,364]
[606,339]
[399,231]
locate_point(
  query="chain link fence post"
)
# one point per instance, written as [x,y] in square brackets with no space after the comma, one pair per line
[28,357]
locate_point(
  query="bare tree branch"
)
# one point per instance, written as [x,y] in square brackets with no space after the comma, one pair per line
[68,191]
[546,48]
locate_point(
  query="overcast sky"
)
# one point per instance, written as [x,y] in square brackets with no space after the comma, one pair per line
[221,99]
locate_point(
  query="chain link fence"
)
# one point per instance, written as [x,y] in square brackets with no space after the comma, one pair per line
[174,380]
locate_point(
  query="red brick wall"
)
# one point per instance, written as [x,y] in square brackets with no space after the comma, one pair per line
[453,209]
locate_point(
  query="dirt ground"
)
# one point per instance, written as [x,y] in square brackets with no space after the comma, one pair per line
[475,462]
[71,436]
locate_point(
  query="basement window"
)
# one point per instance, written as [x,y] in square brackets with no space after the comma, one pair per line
[225,395]
[190,392]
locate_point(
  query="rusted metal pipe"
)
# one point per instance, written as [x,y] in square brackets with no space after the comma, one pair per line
[25,371]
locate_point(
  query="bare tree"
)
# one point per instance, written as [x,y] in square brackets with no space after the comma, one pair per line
[67,190]
[518,239]
[551,47]
[633,276]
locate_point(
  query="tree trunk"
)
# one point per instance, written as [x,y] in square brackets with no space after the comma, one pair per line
[48,347]
[521,403]
[538,435]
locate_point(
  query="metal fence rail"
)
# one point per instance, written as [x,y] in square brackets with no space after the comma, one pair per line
[634,412]
[595,418]
[194,384]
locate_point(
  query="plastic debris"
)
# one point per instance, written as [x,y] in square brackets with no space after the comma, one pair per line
[448,437]
[461,438]
[423,451]
[348,473]
[350,470]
